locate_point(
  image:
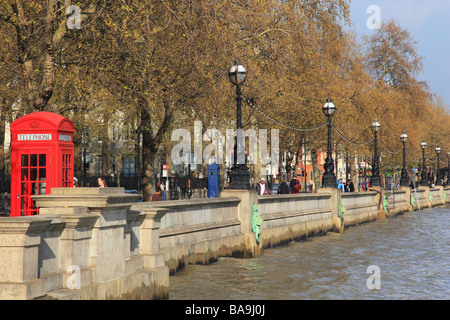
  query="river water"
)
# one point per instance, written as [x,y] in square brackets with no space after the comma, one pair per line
[404,257]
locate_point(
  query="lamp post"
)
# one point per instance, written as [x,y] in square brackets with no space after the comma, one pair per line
[376,179]
[448,167]
[138,158]
[239,174]
[438,175]
[189,189]
[347,167]
[329,178]
[423,180]
[404,181]
[85,142]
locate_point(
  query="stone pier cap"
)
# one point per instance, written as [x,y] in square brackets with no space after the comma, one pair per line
[85,197]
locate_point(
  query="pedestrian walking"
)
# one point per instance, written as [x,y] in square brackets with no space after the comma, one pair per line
[295,186]
[340,185]
[261,187]
[101,182]
[351,185]
[283,188]
[163,191]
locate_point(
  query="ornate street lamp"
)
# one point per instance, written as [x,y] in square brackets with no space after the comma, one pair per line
[329,178]
[423,180]
[189,189]
[404,180]
[85,143]
[448,167]
[239,174]
[376,179]
[438,175]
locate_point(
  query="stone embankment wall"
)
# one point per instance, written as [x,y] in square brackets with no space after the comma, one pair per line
[294,217]
[86,243]
[90,243]
[198,231]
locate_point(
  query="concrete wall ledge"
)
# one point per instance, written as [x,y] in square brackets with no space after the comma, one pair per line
[169,204]
[198,227]
[84,200]
[352,210]
[358,194]
[88,191]
[282,197]
[289,214]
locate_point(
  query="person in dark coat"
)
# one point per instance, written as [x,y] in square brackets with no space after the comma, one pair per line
[283,188]
[351,185]
[294,182]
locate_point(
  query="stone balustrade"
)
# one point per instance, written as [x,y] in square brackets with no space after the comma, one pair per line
[86,243]
[92,243]
[198,231]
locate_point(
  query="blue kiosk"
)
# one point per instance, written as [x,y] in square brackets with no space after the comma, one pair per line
[213,180]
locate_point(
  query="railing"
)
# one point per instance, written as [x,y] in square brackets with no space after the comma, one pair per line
[5,204]
[5,183]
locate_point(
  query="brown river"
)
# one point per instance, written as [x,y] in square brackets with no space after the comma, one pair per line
[404,257]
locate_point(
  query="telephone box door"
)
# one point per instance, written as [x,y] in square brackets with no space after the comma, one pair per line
[67,170]
[33,180]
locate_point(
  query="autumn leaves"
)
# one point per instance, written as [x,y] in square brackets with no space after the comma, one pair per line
[155,66]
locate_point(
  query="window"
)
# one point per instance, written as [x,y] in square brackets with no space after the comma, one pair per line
[99,165]
[129,166]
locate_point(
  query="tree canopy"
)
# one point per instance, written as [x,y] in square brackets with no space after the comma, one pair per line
[150,66]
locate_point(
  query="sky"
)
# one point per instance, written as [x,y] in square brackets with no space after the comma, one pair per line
[428,22]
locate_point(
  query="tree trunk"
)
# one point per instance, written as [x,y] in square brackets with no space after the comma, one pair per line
[148,156]
[118,167]
[151,143]
[54,31]
[297,153]
[315,165]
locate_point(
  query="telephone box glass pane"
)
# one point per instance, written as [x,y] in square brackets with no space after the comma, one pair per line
[34,189]
[33,160]
[42,174]
[24,174]
[42,160]
[23,188]
[33,174]
[24,160]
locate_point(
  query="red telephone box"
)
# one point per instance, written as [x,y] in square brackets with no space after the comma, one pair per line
[42,154]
